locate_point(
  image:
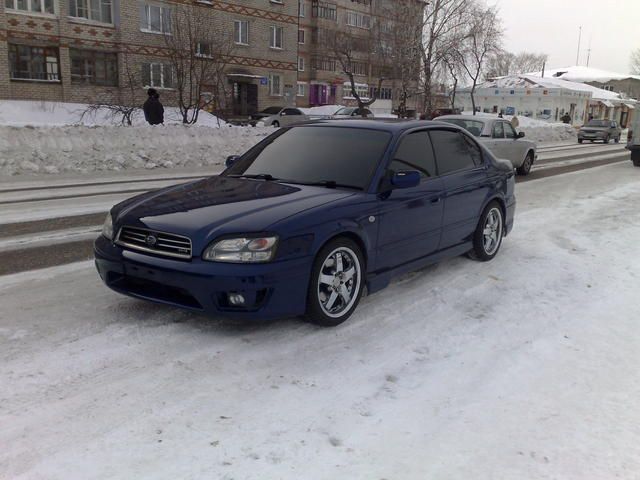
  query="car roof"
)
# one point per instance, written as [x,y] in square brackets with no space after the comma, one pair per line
[385,124]
[477,118]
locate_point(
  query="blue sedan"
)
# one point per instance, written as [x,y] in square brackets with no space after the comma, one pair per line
[306,219]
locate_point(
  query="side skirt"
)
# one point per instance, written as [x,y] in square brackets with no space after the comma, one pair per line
[376,281]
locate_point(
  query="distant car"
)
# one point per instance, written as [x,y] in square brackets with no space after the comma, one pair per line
[309,217]
[603,130]
[500,137]
[345,112]
[278,117]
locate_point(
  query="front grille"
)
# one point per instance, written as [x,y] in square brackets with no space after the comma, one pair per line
[151,241]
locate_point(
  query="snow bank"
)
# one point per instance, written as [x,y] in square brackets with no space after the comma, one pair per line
[538,130]
[86,149]
[23,113]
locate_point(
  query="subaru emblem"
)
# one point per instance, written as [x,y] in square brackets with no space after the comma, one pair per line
[151,240]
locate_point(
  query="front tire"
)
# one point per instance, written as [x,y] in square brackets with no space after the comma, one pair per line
[579,140]
[617,140]
[276,124]
[489,233]
[337,281]
[525,168]
[606,139]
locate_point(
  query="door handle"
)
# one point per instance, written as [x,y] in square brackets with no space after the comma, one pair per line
[435,199]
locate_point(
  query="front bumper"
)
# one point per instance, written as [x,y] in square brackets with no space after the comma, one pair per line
[271,290]
[592,136]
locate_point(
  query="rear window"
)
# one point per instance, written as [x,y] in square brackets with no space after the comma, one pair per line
[452,151]
[474,127]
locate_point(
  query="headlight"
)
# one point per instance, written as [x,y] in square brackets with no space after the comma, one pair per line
[107,228]
[241,250]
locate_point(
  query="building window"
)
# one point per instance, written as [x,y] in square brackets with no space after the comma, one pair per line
[300,64]
[324,10]
[159,75]
[154,18]
[301,37]
[358,68]
[34,6]
[323,63]
[94,68]
[385,93]
[96,10]
[275,85]
[34,63]
[204,49]
[301,91]
[301,8]
[356,19]
[362,89]
[241,32]
[275,40]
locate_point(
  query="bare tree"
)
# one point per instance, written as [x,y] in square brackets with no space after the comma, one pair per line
[635,61]
[454,70]
[400,38]
[354,55]
[444,28]
[504,63]
[198,53]
[482,41]
[123,106]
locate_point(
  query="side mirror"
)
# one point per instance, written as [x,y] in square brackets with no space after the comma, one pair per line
[520,134]
[406,179]
[283,114]
[231,159]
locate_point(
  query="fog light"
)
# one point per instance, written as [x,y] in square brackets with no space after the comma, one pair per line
[235,299]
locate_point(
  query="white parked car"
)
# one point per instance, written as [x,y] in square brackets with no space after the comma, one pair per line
[500,137]
[278,117]
[346,112]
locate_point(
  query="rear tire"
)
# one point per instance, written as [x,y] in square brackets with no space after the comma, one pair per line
[337,281]
[617,140]
[525,168]
[606,139]
[487,238]
[579,140]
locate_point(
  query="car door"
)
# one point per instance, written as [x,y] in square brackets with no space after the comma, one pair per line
[516,150]
[289,116]
[498,145]
[462,170]
[411,218]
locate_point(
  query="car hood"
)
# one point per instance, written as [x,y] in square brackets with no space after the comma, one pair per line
[215,206]
[594,129]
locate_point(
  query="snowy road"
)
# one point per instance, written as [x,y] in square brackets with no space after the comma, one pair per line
[527,367]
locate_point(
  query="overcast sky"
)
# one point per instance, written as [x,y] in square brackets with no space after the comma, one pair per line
[551,26]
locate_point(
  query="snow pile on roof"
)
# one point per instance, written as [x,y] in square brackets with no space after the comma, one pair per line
[23,112]
[84,149]
[579,73]
[324,110]
[539,131]
[531,81]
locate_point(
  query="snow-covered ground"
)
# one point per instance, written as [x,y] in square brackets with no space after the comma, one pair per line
[19,113]
[527,367]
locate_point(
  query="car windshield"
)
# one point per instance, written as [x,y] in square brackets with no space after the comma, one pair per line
[474,127]
[271,110]
[598,123]
[345,111]
[333,156]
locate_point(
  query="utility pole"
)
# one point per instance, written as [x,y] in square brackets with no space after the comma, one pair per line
[544,64]
[589,52]
[579,38]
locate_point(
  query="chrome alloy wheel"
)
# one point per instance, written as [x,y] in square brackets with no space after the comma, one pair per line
[492,232]
[339,282]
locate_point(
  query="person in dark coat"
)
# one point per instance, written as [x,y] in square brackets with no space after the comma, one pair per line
[566,118]
[153,109]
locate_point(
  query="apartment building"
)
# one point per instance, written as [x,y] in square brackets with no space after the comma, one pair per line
[321,79]
[83,50]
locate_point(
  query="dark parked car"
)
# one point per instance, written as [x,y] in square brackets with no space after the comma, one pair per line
[603,130]
[304,220]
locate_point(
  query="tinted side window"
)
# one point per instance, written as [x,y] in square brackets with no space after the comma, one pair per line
[509,131]
[415,153]
[292,111]
[474,149]
[452,151]
[498,130]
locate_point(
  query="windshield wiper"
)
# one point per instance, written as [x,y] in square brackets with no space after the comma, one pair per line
[328,184]
[258,176]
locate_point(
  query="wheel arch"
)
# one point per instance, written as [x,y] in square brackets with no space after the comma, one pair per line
[351,235]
